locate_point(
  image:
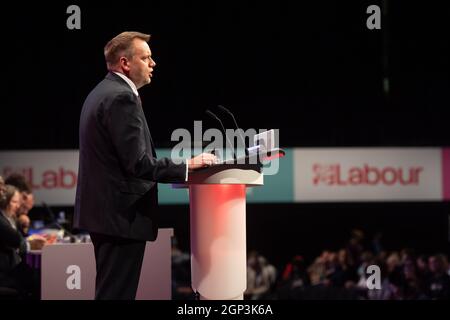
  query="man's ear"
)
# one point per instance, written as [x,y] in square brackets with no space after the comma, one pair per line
[124,63]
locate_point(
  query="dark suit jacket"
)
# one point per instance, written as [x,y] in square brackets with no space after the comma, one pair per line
[10,241]
[118,171]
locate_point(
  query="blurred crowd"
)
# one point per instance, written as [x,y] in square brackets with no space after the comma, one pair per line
[339,275]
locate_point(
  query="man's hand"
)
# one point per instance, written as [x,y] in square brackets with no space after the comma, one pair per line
[36,241]
[201,161]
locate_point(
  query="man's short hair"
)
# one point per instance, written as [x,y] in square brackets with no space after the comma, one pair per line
[17,180]
[121,45]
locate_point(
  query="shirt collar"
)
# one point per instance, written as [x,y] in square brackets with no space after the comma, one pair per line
[130,83]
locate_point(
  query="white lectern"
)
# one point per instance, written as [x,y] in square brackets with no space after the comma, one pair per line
[217,197]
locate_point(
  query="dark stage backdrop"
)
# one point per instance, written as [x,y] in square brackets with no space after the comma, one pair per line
[311,69]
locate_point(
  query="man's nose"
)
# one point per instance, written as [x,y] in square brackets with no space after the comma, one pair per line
[152,63]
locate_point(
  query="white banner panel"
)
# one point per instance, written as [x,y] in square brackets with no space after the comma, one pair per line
[52,174]
[367,174]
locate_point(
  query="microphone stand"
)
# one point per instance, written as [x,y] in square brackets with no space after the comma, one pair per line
[214,116]
[237,127]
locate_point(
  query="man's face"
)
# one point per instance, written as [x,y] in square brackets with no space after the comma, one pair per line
[13,204]
[141,64]
[26,204]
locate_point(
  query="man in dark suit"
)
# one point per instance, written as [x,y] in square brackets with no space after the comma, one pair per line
[116,199]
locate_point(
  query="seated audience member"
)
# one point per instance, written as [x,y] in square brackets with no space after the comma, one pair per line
[26,201]
[14,272]
[260,277]
[438,284]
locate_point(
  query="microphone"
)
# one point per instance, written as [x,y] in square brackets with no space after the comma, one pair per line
[213,115]
[237,127]
[54,222]
[50,212]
